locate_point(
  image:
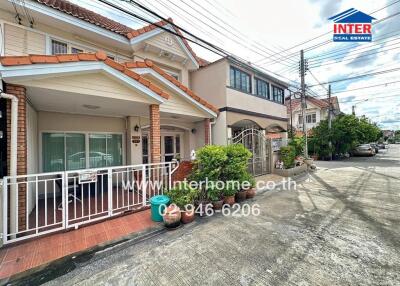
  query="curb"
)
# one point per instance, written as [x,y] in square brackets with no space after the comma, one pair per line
[61,266]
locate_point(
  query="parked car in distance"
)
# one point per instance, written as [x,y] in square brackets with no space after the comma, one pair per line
[381,146]
[375,146]
[363,150]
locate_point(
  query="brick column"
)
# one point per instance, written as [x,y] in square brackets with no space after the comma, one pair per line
[207,128]
[155,140]
[20,92]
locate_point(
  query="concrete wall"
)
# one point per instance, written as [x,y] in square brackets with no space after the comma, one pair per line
[210,83]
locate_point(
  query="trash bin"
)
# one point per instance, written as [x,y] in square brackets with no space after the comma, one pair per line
[156,210]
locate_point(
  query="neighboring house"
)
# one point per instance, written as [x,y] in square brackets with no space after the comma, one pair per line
[245,96]
[389,134]
[317,110]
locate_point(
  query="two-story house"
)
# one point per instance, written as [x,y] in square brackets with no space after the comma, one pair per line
[83,92]
[316,110]
[245,96]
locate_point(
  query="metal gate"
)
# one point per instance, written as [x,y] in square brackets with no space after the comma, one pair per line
[256,142]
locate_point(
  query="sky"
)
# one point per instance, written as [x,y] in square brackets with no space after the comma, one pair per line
[267,33]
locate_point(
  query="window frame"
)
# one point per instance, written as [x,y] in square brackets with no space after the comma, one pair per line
[313,118]
[241,73]
[274,87]
[87,150]
[268,95]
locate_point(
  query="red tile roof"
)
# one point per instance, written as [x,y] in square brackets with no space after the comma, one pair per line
[321,103]
[149,64]
[87,15]
[99,56]
[111,25]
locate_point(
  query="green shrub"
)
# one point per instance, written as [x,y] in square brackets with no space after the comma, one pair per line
[230,190]
[236,165]
[210,161]
[287,156]
[182,195]
[213,193]
[298,144]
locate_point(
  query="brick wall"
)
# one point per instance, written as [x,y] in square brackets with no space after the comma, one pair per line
[20,92]
[183,171]
[207,127]
[155,140]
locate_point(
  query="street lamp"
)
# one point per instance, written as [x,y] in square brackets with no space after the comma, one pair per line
[353,108]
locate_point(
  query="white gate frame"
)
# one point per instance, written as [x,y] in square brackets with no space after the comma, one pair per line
[10,231]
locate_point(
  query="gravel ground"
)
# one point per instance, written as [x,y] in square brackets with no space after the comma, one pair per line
[339,227]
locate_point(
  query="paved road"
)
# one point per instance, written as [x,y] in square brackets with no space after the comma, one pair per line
[339,227]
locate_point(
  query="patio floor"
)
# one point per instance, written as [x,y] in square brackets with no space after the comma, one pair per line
[27,255]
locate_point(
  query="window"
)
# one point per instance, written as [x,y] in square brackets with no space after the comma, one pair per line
[262,88]
[311,118]
[277,94]
[58,47]
[145,149]
[300,119]
[68,151]
[76,50]
[240,80]
[105,150]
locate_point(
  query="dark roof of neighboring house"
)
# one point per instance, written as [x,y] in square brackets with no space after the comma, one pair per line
[111,25]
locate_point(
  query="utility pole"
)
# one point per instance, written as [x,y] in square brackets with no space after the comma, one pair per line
[353,109]
[330,121]
[291,116]
[303,99]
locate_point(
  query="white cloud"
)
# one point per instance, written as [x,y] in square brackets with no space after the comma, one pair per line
[285,23]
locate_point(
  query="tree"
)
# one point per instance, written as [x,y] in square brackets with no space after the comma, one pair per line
[346,133]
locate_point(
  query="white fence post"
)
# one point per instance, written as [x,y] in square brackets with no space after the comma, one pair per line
[4,213]
[64,199]
[144,185]
[110,191]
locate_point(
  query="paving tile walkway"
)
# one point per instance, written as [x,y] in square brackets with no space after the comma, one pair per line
[20,257]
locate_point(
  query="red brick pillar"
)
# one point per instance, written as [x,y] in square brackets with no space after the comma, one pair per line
[207,129]
[155,140]
[20,92]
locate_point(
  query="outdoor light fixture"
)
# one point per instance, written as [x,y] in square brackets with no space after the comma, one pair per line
[136,128]
[194,130]
[92,107]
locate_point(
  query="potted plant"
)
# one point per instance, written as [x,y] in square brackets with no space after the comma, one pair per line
[240,195]
[251,190]
[183,197]
[229,194]
[172,216]
[216,197]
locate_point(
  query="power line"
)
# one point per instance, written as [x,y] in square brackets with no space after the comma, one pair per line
[294,54]
[317,79]
[359,76]
[369,99]
[356,58]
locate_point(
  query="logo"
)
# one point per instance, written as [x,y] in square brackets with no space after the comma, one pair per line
[352,26]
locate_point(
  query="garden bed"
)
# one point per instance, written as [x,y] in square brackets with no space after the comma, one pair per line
[292,171]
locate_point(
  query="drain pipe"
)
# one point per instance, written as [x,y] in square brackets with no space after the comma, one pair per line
[13,158]
[212,122]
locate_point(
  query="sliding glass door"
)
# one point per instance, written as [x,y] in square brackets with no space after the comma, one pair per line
[74,151]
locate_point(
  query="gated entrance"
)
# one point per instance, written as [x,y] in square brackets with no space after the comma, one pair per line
[256,142]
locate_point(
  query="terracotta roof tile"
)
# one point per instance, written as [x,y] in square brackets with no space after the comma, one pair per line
[111,25]
[99,56]
[87,15]
[150,64]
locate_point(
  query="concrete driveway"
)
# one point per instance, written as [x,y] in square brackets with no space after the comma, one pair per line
[340,227]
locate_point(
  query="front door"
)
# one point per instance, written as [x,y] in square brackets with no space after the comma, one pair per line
[171,146]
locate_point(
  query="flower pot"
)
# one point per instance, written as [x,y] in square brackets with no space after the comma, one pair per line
[230,200]
[250,193]
[172,216]
[187,216]
[240,196]
[217,205]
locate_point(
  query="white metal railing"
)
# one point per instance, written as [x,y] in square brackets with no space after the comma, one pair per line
[38,204]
